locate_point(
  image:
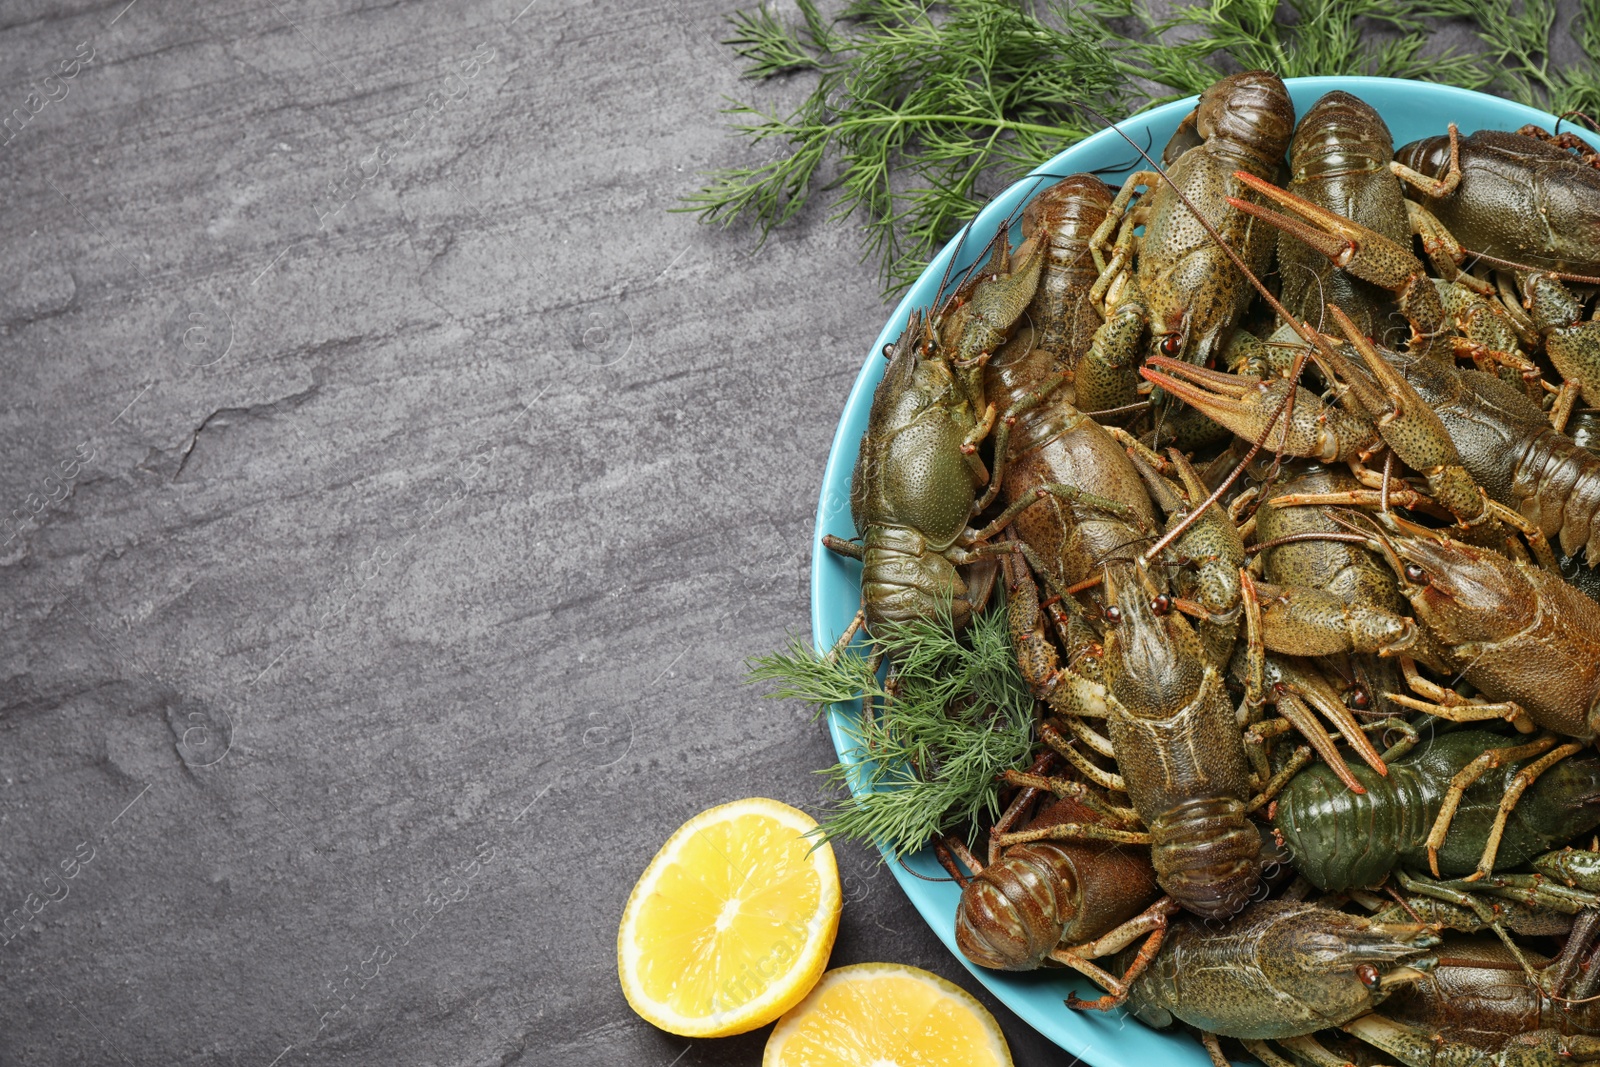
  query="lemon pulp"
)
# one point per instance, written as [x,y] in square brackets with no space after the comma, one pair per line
[732,922]
[886,1015]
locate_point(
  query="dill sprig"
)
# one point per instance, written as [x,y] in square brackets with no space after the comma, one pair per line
[959,714]
[1296,39]
[1517,36]
[774,48]
[918,108]
[916,102]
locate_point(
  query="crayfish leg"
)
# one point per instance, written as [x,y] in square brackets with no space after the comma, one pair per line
[1062,787]
[1446,704]
[1436,188]
[1213,1047]
[1018,808]
[848,549]
[1581,1048]
[1298,760]
[1464,778]
[1263,1052]
[849,635]
[1415,1045]
[1489,918]
[945,850]
[1566,400]
[981,576]
[1571,341]
[1068,751]
[1532,891]
[1529,530]
[1068,493]
[1461,710]
[1002,434]
[1100,240]
[1083,732]
[1153,921]
[1561,140]
[1567,964]
[1512,303]
[1308,1049]
[1525,777]
[1255,661]
[1402,497]
[1073,831]
[1065,691]
[1442,248]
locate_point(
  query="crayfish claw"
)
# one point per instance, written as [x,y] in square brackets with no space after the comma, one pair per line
[1254,409]
[1362,251]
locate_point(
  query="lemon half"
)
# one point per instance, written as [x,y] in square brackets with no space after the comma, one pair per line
[731,924]
[884,1013]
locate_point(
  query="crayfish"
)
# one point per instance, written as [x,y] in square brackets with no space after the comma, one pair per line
[1327,641]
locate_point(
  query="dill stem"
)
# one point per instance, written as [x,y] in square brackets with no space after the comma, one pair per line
[969,120]
[1534,71]
[977,164]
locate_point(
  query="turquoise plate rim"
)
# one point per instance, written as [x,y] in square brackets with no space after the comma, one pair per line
[1109,1039]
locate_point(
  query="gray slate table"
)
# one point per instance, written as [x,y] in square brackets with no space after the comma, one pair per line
[393,491]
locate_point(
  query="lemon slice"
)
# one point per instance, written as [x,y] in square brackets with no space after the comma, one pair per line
[886,1015]
[732,922]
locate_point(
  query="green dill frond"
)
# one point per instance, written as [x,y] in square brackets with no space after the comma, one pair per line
[818,30]
[1516,35]
[885,13]
[1300,38]
[774,48]
[959,714]
[918,110]
[908,807]
[922,107]
[771,192]
[798,673]
[1580,85]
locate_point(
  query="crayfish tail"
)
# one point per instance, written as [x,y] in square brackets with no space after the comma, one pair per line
[1208,857]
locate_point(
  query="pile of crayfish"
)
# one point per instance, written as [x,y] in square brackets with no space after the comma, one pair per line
[1279,457]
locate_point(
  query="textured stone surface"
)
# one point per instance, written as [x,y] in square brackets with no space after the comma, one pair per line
[393,491]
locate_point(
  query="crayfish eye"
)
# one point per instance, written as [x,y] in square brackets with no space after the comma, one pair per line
[1415,573]
[1171,344]
[1161,604]
[1357,697]
[1367,974]
[1113,614]
[888,351]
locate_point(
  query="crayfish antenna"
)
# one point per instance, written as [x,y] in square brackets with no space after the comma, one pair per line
[1375,538]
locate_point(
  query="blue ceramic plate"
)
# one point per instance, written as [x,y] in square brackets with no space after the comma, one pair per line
[1413,110]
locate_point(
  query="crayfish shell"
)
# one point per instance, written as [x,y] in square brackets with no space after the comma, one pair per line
[1041,894]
